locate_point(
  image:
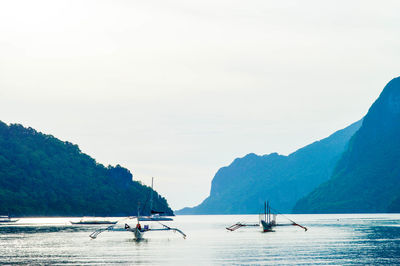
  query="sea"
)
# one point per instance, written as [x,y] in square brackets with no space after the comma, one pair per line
[334,239]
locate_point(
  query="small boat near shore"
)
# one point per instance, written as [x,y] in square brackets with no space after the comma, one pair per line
[155,216]
[93,221]
[7,219]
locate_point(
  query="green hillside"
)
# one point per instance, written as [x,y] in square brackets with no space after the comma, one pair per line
[41,175]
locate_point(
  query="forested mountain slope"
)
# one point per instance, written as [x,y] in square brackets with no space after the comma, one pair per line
[41,175]
[367,177]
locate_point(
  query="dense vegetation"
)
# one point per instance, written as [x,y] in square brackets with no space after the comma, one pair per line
[367,177]
[43,176]
[243,186]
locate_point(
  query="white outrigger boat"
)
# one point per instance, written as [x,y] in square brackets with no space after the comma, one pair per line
[138,230]
[266,223]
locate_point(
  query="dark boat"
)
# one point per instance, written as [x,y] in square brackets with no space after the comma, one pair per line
[7,219]
[267,223]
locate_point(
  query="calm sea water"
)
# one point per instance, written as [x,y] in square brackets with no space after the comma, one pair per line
[331,239]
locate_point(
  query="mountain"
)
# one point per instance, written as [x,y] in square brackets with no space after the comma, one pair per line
[243,186]
[367,177]
[41,175]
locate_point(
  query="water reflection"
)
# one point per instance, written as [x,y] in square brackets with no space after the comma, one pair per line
[38,229]
[138,241]
[331,239]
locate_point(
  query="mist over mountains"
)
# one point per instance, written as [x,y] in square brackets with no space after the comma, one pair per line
[243,186]
[367,177]
[355,170]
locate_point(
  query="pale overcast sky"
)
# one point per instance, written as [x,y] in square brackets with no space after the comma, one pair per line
[178,89]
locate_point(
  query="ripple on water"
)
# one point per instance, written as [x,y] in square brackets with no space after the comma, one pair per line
[331,239]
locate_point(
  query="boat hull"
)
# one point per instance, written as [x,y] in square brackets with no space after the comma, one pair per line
[94,222]
[151,218]
[267,227]
[138,234]
[9,220]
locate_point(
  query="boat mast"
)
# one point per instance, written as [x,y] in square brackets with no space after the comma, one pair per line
[151,195]
[138,211]
[265,211]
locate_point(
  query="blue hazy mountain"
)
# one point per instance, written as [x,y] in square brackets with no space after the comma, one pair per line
[41,175]
[243,186]
[367,177]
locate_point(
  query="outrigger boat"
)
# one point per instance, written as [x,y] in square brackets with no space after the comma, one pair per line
[7,219]
[138,230]
[266,223]
[154,215]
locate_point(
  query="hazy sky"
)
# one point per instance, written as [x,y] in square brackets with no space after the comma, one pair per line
[178,89]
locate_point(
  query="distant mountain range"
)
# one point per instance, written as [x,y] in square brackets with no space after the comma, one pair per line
[243,186]
[355,170]
[367,177]
[41,175]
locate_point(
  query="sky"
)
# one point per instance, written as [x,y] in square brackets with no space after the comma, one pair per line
[177,89]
